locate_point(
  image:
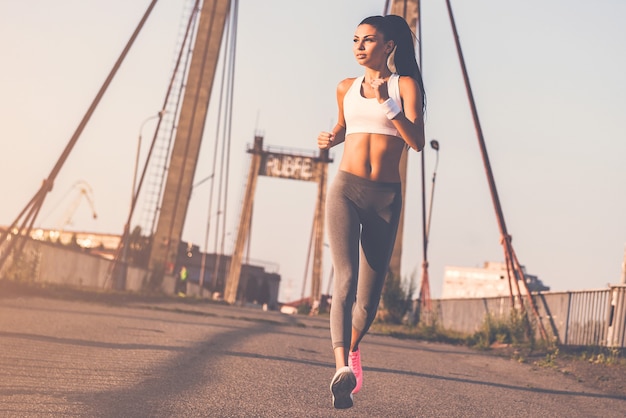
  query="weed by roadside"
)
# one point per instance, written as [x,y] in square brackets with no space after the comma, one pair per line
[601,368]
[512,331]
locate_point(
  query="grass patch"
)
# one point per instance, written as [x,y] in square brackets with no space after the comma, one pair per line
[433,332]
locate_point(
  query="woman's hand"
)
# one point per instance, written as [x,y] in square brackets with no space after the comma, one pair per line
[379,86]
[325,140]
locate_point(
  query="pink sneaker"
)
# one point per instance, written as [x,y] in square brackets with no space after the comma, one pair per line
[354,362]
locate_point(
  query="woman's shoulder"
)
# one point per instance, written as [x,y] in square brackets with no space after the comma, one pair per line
[344,85]
[407,80]
[408,84]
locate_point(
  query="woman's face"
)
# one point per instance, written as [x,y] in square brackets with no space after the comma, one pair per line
[370,48]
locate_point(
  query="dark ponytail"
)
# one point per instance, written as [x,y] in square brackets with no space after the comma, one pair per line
[395,28]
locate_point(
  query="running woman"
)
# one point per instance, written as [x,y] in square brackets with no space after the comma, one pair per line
[381,116]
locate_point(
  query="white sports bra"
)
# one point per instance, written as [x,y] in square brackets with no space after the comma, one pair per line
[365,115]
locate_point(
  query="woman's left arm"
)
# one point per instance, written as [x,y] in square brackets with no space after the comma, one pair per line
[410,122]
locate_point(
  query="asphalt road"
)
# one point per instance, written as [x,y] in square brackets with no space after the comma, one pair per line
[174,358]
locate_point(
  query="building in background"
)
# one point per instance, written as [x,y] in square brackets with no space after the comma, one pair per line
[481,282]
[259,282]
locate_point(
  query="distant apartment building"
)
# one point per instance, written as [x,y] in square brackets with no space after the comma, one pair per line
[491,280]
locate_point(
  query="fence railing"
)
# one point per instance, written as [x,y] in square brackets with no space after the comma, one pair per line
[576,318]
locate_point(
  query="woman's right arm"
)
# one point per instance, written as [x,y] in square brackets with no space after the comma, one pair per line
[326,140]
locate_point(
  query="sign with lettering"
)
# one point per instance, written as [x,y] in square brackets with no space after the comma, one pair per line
[288,167]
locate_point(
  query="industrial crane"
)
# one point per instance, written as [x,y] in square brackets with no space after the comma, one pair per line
[84,191]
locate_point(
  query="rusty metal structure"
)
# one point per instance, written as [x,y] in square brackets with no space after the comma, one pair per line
[514,268]
[295,166]
[191,123]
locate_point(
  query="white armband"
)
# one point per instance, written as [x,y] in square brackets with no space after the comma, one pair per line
[391,108]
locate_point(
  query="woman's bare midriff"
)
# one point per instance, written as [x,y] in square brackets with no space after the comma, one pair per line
[372,156]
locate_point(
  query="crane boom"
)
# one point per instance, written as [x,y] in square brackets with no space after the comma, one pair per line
[84,191]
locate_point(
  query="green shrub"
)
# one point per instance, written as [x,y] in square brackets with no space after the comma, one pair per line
[395,299]
[515,330]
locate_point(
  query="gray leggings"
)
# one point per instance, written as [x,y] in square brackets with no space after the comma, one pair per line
[365,212]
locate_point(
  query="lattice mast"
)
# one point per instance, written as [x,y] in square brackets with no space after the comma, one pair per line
[191,123]
[158,157]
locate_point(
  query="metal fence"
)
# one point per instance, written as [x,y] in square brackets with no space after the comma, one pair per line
[580,318]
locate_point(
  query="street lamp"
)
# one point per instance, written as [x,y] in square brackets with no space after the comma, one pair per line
[425,287]
[434,144]
[143,124]
[204,180]
[133,196]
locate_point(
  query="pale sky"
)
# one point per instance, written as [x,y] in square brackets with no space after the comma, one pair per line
[548,80]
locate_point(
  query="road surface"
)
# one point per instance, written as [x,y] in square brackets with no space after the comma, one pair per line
[158,357]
